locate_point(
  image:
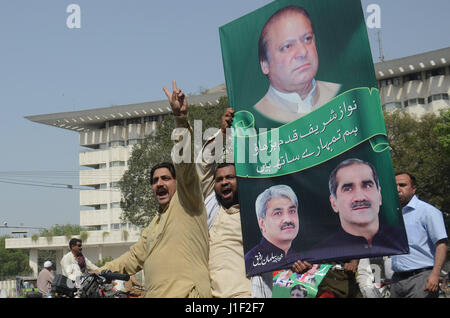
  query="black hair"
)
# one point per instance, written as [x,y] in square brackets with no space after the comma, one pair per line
[222,165]
[413,179]
[332,182]
[74,242]
[167,165]
[262,43]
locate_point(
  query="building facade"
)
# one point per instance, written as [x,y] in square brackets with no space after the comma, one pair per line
[417,84]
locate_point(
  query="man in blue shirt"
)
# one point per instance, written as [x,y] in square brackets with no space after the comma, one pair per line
[416,275]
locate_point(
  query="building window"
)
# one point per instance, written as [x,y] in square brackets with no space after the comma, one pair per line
[116,123]
[114,185]
[117,164]
[412,77]
[412,101]
[118,143]
[115,226]
[102,166]
[101,207]
[438,97]
[115,205]
[386,82]
[134,121]
[435,72]
[97,227]
[134,141]
[150,118]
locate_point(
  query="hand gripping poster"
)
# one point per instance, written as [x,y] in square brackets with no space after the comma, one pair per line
[314,170]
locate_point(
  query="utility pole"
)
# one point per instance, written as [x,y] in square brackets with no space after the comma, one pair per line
[380,46]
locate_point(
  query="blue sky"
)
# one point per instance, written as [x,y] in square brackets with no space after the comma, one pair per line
[122,54]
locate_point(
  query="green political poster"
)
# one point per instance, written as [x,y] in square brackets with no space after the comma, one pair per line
[314,170]
[288,284]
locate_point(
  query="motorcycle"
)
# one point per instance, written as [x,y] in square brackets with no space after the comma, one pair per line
[92,285]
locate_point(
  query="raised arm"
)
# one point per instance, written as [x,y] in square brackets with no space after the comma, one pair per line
[207,158]
[188,184]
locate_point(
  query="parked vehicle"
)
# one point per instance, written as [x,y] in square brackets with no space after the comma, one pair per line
[27,287]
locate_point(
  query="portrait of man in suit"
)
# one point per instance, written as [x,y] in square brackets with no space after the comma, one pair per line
[277,214]
[355,195]
[288,57]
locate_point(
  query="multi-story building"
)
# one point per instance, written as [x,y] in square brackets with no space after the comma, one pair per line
[418,84]
[107,136]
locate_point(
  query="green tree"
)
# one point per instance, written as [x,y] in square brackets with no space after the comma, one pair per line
[13,262]
[138,204]
[46,255]
[442,129]
[417,147]
[67,230]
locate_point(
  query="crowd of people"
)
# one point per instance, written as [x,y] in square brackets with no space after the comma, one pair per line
[193,247]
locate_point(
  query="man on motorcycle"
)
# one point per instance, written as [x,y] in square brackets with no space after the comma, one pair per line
[74,263]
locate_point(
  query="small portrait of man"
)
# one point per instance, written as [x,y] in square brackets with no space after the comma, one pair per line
[355,195]
[277,215]
[288,57]
[299,291]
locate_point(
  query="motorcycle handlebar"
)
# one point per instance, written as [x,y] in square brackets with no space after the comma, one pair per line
[109,276]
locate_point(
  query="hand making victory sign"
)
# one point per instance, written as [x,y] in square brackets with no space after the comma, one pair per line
[177,100]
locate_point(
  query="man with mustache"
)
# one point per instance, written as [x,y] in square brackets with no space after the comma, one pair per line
[277,214]
[173,248]
[355,195]
[288,57]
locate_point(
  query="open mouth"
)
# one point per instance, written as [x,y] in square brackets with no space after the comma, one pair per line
[162,192]
[227,193]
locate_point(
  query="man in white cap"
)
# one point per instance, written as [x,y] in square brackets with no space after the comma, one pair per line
[45,278]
